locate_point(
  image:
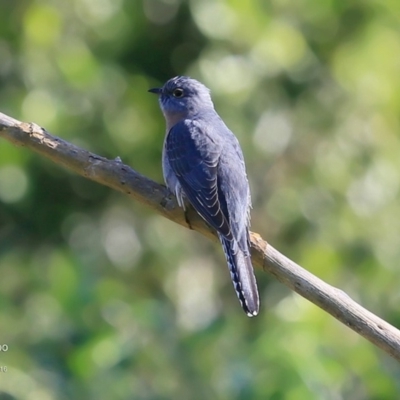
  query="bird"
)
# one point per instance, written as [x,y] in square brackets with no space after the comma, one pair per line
[203,163]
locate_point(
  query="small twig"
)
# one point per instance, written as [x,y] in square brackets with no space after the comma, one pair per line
[115,174]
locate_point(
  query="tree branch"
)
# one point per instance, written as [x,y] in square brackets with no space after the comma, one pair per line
[116,175]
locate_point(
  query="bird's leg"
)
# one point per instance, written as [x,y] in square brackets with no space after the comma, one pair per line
[187,219]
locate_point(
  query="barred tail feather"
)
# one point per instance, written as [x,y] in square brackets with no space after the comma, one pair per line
[242,276]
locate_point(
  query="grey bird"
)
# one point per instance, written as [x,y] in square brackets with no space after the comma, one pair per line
[203,162]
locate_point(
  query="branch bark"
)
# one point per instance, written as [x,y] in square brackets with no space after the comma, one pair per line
[118,176]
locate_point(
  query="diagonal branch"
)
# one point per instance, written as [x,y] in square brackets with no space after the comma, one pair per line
[118,176]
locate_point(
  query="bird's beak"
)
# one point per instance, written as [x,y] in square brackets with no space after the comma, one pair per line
[155,90]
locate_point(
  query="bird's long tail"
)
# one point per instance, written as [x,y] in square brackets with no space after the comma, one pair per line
[242,275]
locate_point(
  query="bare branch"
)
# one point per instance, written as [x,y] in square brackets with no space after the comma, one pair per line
[116,175]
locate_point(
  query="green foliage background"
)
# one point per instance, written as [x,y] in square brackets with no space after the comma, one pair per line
[101,298]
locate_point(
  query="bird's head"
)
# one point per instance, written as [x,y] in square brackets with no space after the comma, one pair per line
[183,95]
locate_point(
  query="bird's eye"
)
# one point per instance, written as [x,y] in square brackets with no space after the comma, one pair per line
[178,93]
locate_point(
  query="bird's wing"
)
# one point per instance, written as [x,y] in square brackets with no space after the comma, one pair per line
[193,152]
